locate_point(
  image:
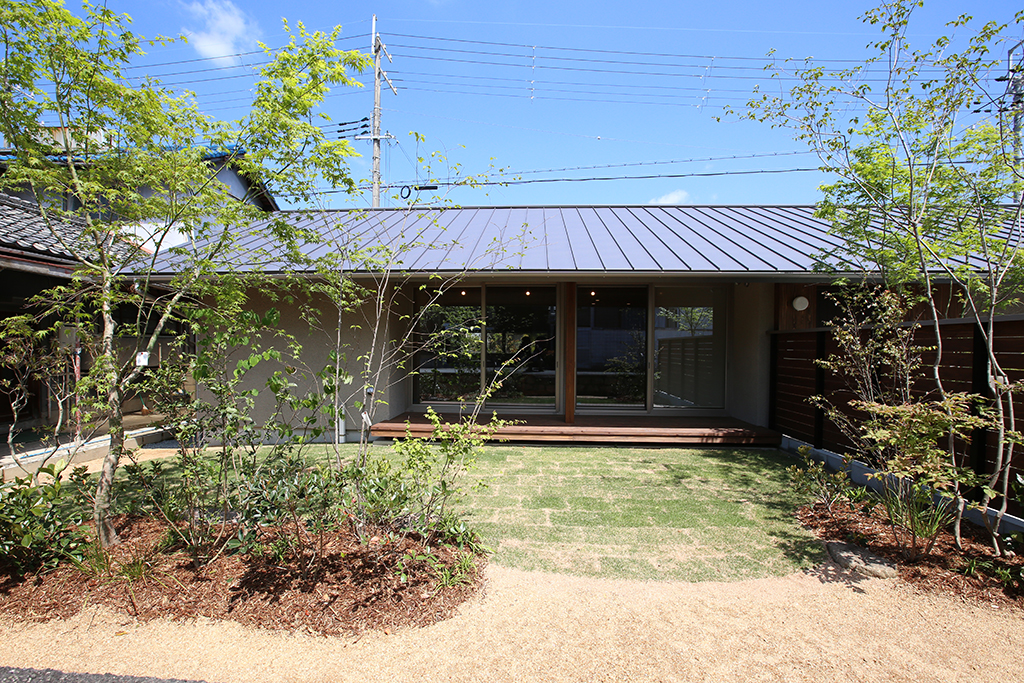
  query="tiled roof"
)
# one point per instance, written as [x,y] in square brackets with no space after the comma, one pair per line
[23,229]
[715,240]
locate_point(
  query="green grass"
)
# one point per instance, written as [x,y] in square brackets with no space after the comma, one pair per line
[659,514]
[654,514]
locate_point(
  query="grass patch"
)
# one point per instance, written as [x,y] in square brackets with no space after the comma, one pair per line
[654,514]
[659,514]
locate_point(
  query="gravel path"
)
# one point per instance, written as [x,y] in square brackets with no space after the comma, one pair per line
[822,626]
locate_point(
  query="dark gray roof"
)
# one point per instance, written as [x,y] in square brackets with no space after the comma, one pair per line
[23,230]
[597,239]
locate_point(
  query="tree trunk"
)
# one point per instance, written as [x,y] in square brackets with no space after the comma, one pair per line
[102,513]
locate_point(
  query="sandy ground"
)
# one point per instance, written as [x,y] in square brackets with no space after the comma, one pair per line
[141,455]
[821,626]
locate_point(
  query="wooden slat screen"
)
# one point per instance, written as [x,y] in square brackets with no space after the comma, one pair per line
[797,377]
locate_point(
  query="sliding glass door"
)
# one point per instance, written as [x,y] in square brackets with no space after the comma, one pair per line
[611,346]
[498,339]
[450,338]
[520,348]
[636,347]
[689,347]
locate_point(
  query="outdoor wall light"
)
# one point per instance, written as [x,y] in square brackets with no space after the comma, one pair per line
[463,292]
[800,303]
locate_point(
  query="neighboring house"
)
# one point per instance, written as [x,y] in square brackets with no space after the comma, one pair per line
[35,256]
[610,314]
[31,260]
[239,186]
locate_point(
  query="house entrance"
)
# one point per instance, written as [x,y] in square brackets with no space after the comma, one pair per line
[611,347]
[496,339]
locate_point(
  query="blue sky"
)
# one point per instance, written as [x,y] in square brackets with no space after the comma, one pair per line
[552,90]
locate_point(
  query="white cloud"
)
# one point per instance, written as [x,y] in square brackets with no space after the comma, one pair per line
[226,30]
[673,197]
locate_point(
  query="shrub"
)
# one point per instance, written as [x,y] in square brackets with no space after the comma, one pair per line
[413,492]
[920,482]
[825,487]
[304,502]
[38,529]
[916,515]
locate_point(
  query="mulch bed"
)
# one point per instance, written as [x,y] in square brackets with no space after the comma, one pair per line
[947,569]
[355,588]
[359,587]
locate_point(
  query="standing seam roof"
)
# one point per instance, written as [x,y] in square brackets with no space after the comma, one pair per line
[612,239]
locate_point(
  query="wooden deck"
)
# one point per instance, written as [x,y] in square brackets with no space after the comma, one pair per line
[607,429]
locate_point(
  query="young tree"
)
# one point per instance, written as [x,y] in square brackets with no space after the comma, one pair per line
[360,286]
[132,163]
[48,361]
[928,182]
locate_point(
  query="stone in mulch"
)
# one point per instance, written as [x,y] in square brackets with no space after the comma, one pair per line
[860,561]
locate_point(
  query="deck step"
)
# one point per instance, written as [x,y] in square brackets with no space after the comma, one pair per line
[606,429]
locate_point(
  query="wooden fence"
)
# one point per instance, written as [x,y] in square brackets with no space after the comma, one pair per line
[796,377]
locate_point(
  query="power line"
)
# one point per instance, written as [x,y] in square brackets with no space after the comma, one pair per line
[640,28]
[531,52]
[716,63]
[525,90]
[733,157]
[596,50]
[622,72]
[540,96]
[541,82]
[491,183]
[229,56]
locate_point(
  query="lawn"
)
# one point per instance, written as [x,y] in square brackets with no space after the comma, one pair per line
[615,512]
[655,513]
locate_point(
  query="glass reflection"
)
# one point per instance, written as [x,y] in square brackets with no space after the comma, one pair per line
[611,346]
[448,360]
[689,347]
[520,345]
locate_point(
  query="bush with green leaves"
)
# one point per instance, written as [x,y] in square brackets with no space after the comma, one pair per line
[303,502]
[38,529]
[414,492]
[815,479]
[916,515]
[921,484]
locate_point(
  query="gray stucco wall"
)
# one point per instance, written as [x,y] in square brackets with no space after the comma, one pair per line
[317,337]
[749,355]
[751,317]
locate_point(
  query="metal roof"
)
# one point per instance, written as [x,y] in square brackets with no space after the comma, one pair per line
[555,239]
[9,154]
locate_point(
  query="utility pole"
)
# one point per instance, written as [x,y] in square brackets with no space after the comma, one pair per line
[377,47]
[1015,86]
